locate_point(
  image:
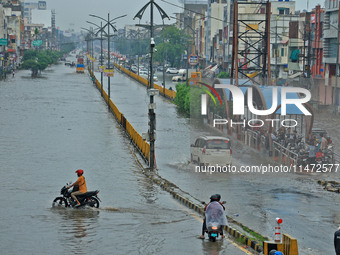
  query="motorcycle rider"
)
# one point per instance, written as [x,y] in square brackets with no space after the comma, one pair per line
[82,185]
[213,199]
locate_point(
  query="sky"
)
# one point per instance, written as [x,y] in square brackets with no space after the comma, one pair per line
[74,13]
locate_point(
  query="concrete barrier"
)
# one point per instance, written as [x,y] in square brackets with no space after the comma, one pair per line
[170,94]
[288,246]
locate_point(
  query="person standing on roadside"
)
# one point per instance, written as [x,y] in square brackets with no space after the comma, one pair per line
[324,142]
[311,152]
[337,241]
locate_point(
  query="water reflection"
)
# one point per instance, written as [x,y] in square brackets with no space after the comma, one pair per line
[77,228]
[213,248]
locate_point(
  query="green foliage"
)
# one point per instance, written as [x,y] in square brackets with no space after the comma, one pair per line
[39,60]
[30,64]
[182,99]
[188,100]
[67,47]
[223,75]
[195,103]
[171,45]
[30,54]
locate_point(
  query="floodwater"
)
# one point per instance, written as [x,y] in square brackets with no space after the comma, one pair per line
[309,213]
[50,127]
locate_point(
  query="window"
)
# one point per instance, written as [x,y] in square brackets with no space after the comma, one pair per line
[283,11]
[282,52]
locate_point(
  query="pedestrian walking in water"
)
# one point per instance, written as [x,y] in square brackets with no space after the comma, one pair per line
[337,241]
[13,73]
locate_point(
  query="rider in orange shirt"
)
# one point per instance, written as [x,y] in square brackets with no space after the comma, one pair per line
[82,186]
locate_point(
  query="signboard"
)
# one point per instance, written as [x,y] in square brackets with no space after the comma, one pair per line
[3,42]
[195,78]
[101,68]
[193,60]
[37,43]
[108,72]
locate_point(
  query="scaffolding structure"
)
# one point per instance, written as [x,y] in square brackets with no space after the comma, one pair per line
[251,43]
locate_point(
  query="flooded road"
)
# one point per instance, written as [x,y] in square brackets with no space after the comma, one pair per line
[309,213]
[52,126]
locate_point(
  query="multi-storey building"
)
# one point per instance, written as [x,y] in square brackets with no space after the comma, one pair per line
[330,45]
[29,6]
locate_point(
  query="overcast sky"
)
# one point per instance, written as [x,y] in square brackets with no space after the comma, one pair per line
[74,13]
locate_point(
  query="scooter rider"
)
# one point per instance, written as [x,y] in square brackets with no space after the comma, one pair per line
[213,198]
[82,186]
[275,252]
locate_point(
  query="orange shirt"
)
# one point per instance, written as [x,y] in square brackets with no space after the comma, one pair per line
[82,184]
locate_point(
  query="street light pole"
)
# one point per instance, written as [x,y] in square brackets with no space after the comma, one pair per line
[108,24]
[101,52]
[101,59]
[152,115]
[109,56]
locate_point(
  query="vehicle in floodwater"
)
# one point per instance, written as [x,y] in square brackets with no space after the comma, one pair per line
[89,198]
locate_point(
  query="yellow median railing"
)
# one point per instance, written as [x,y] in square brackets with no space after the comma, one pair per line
[142,146]
[171,94]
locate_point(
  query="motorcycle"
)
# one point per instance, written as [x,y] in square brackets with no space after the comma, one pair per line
[87,199]
[215,219]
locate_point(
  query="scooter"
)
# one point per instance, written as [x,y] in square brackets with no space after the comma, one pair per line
[215,220]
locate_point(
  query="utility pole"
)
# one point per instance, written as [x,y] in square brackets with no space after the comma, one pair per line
[163,59]
[151,91]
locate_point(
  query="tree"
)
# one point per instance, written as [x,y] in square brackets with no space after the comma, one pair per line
[31,64]
[39,61]
[171,44]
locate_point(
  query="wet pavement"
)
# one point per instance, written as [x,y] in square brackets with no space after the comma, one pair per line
[53,125]
[309,213]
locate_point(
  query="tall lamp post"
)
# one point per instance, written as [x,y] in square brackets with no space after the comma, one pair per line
[91,35]
[101,50]
[152,92]
[108,25]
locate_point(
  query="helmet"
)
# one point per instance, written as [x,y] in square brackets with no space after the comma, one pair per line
[215,197]
[272,252]
[80,172]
